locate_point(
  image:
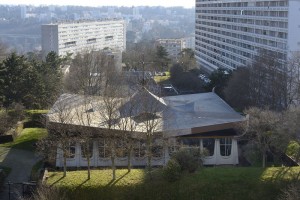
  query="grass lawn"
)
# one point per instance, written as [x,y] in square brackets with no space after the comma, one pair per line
[159,79]
[207,184]
[293,150]
[27,138]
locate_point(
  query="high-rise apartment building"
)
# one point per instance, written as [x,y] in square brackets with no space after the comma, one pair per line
[77,36]
[229,33]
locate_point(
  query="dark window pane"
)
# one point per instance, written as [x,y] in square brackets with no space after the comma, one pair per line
[209,145]
[225,146]
[104,150]
[87,149]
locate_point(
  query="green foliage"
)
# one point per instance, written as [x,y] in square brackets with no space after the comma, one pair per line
[291,192]
[29,82]
[189,159]
[35,171]
[172,171]
[49,193]
[27,139]
[185,80]
[162,57]
[4,171]
[10,117]
[293,150]
[226,183]
[218,80]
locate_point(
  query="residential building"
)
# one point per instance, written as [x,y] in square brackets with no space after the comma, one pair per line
[77,36]
[172,46]
[202,121]
[229,33]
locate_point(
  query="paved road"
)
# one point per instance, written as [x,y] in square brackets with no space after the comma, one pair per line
[21,163]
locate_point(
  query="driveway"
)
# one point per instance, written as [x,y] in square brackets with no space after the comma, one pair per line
[20,162]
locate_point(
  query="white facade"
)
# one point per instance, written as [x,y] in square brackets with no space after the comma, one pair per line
[138,158]
[77,36]
[229,33]
[172,46]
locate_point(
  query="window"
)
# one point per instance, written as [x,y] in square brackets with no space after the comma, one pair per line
[71,150]
[157,149]
[104,150]
[121,149]
[139,149]
[173,147]
[209,145]
[225,146]
[87,149]
[191,142]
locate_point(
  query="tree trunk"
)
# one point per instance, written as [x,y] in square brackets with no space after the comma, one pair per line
[264,160]
[149,153]
[129,158]
[65,164]
[89,167]
[113,166]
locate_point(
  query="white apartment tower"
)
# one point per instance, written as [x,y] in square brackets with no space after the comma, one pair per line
[172,46]
[229,33]
[77,36]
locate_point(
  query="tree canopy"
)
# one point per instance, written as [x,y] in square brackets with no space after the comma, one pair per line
[31,82]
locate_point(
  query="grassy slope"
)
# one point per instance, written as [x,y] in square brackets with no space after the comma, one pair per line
[160,79]
[209,183]
[27,139]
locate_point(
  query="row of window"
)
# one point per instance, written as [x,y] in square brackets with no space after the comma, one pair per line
[257,31]
[243,4]
[269,43]
[245,12]
[209,145]
[139,149]
[216,60]
[259,22]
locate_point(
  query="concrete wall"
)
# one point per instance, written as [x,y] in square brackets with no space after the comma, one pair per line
[294,26]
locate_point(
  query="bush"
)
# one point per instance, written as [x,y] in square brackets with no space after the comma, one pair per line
[189,159]
[33,124]
[49,193]
[293,150]
[172,171]
[292,192]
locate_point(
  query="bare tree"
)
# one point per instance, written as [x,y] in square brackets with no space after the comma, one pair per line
[293,79]
[88,73]
[263,130]
[128,126]
[187,59]
[290,126]
[61,134]
[266,82]
[3,51]
[148,114]
[84,133]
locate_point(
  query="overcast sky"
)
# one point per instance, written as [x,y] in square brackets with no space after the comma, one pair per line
[167,3]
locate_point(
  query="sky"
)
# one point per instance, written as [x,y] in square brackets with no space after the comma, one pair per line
[129,3]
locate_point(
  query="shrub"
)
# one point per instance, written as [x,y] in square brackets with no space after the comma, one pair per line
[293,150]
[172,171]
[49,193]
[189,159]
[292,192]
